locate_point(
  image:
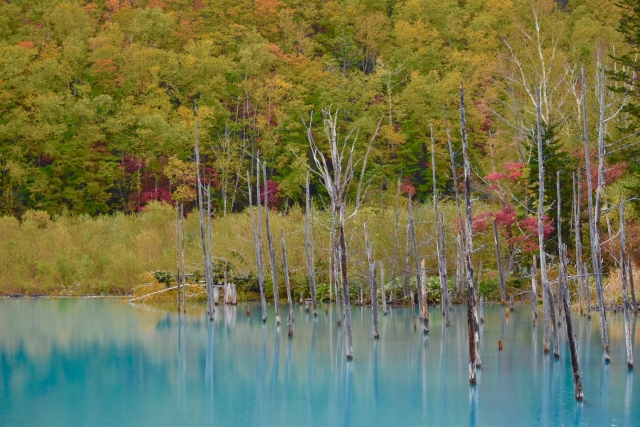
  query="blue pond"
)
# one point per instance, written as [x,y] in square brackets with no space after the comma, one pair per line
[101,362]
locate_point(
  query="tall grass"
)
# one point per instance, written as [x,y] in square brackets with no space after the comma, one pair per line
[76,255]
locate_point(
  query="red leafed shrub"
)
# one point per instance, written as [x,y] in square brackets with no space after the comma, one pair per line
[530,225]
[481,222]
[507,216]
[514,170]
[408,188]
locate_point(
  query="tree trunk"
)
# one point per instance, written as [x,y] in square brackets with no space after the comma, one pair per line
[496,239]
[587,288]
[573,348]
[421,296]
[272,249]
[178,253]
[534,292]
[559,235]
[205,244]
[311,271]
[633,292]
[625,293]
[396,237]
[546,286]
[442,273]
[372,283]
[472,315]
[447,313]
[425,306]
[384,295]
[285,266]
[578,234]
[345,287]
[595,212]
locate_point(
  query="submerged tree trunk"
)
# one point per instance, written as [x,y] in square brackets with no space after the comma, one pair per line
[625,294]
[384,299]
[182,269]
[421,297]
[285,266]
[447,314]
[272,249]
[178,253]
[257,239]
[546,286]
[633,292]
[472,315]
[573,348]
[578,237]
[425,306]
[396,237]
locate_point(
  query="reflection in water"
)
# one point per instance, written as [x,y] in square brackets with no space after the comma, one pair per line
[76,360]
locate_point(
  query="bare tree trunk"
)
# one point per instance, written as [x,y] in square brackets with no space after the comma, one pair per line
[447,314]
[534,291]
[384,299]
[345,288]
[205,244]
[257,239]
[546,286]
[407,266]
[439,238]
[285,265]
[460,273]
[472,315]
[421,297]
[311,273]
[396,237]
[425,306]
[496,238]
[336,274]
[633,292]
[587,285]
[178,252]
[372,283]
[625,293]
[573,348]
[595,212]
[559,235]
[272,249]
[578,234]
[183,269]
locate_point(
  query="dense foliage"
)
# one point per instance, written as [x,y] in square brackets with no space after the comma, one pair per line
[96,98]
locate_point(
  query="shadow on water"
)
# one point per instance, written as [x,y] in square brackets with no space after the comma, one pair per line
[160,367]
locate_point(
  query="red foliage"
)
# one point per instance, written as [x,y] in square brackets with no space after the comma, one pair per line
[515,170]
[481,222]
[507,216]
[408,188]
[274,200]
[27,44]
[159,194]
[130,164]
[530,225]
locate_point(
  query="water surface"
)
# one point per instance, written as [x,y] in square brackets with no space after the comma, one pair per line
[100,362]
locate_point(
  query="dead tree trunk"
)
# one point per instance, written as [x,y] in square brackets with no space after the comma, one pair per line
[442,273]
[496,239]
[285,266]
[257,240]
[183,269]
[396,237]
[425,306]
[311,271]
[178,253]
[587,288]
[534,292]
[447,314]
[546,286]
[454,176]
[421,297]
[559,235]
[384,299]
[206,250]
[578,234]
[407,266]
[372,283]
[625,293]
[573,348]
[633,292]
[472,315]
[595,212]
[272,249]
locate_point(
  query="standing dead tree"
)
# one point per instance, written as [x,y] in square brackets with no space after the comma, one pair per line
[534,291]
[546,286]
[257,241]
[596,211]
[285,265]
[496,238]
[272,249]
[571,338]
[206,249]
[578,238]
[625,292]
[311,269]
[372,283]
[382,290]
[633,292]
[336,173]
[424,317]
[454,177]
[442,257]
[472,314]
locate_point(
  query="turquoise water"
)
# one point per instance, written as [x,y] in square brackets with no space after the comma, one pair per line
[99,362]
